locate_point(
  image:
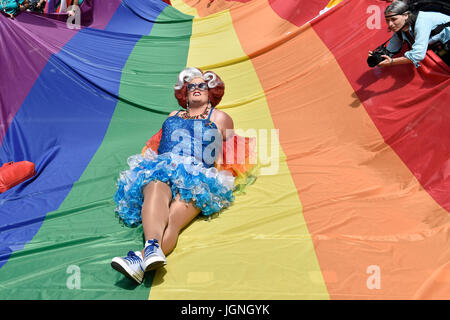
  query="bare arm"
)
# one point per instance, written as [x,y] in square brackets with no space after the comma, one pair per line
[224,123]
[388,61]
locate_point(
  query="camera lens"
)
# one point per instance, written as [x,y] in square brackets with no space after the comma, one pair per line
[374,60]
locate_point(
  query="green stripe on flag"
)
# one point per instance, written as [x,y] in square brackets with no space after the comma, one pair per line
[69,258]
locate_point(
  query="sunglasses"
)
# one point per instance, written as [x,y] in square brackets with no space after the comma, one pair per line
[201,86]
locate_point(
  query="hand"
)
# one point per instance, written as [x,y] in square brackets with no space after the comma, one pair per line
[11,16]
[386,62]
[370,53]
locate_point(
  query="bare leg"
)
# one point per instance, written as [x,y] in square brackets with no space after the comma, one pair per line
[155,216]
[181,214]
[155,210]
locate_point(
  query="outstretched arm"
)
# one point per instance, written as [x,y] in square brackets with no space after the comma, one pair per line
[388,61]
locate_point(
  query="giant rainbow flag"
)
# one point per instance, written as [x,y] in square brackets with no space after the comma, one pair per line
[357,208]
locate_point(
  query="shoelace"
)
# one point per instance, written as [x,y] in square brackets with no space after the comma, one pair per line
[151,248]
[133,258]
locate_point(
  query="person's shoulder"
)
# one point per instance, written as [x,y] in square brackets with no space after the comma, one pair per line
[431,15]
[223,117]
[220,113]
[424,13]
[173,113]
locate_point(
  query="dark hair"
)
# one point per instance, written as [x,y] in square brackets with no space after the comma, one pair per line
[401,7]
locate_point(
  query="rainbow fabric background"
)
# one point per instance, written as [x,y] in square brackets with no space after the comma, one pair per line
[363,180]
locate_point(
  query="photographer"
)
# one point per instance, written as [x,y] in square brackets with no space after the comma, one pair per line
[417,29]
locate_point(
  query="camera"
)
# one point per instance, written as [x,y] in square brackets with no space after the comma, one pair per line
[376,57]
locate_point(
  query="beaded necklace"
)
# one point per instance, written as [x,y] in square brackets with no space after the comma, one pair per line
[203,115]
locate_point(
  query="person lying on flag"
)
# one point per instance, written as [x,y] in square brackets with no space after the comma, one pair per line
[180,172]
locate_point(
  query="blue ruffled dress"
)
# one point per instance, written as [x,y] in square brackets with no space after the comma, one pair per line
[185,161]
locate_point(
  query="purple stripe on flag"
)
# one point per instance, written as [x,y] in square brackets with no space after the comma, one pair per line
[41,38]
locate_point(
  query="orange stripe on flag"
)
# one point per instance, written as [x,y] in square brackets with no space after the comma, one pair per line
[376,231]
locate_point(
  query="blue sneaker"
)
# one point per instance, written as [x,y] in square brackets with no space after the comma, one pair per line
[153,256]
[130,266]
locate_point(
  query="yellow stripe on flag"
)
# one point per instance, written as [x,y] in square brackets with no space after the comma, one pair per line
[332,3]
[260,247]
[184,7]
